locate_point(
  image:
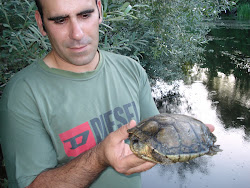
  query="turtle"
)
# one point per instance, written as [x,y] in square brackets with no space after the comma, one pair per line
[171,138]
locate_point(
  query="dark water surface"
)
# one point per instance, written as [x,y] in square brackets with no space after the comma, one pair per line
[218,92]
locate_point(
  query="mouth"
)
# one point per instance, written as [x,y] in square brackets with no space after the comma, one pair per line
[78,48]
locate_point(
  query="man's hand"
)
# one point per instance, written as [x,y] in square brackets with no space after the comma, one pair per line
[118,154]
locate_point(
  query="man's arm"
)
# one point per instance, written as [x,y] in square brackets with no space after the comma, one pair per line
[79,172]
[83,170]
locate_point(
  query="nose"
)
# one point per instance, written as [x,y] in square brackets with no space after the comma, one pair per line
[76,31]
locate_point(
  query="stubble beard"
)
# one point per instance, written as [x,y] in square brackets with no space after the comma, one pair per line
[79,58]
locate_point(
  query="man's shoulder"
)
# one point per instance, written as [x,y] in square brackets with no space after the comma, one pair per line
[120,60]
[26,73]
[125,66]
[116,56]
[19,82]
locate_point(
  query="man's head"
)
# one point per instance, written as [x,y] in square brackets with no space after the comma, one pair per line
[72,28]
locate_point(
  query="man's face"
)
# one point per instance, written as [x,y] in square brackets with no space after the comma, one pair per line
[73,29]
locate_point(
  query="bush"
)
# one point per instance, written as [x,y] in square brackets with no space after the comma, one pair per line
[21,41]
[164,36]
[243,11]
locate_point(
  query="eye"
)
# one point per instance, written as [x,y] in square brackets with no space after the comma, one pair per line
[135,141]
[60,20]
[84,16]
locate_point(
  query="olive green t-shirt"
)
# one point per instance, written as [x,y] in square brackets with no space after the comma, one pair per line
[49,116]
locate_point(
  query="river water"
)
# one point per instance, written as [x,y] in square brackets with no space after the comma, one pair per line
[216,92]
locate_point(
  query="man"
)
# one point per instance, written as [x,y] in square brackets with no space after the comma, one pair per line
[64,119]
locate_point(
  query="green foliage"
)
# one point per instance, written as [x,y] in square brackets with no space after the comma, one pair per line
[243,11]
[21,41]
[162,35]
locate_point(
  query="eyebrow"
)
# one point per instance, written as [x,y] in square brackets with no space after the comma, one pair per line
[67,16]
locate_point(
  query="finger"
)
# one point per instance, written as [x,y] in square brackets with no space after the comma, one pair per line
[131,124]
[211,127]
[141,168]
[132,164]
[122,132]
[132,160]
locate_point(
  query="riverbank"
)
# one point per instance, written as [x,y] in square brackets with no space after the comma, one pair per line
[240,12]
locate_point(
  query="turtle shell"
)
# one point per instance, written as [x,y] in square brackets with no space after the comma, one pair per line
[171,138]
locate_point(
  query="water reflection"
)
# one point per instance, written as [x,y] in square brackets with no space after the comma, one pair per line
[230,96]
[228,72]
[198,165]
[231,24]
[217,92]
[234,101]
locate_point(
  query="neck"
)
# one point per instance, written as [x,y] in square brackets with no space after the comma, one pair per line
[53,61]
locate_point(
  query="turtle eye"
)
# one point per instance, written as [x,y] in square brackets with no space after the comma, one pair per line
[135,141]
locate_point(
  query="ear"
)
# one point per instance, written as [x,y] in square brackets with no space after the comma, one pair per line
[99,6]
[40,23]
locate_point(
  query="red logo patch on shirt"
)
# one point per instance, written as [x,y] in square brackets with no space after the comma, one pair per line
[78,140]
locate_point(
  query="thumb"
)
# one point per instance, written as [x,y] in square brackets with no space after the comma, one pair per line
[211,127]
[131,124]
[123,131]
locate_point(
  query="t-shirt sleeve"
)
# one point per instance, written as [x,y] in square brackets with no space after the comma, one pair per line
[26,145]
[147,104]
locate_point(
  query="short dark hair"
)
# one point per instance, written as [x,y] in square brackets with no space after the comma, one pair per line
[39,6]
[40,10]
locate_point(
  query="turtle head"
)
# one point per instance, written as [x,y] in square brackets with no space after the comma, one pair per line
[136,140]
[139,147]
